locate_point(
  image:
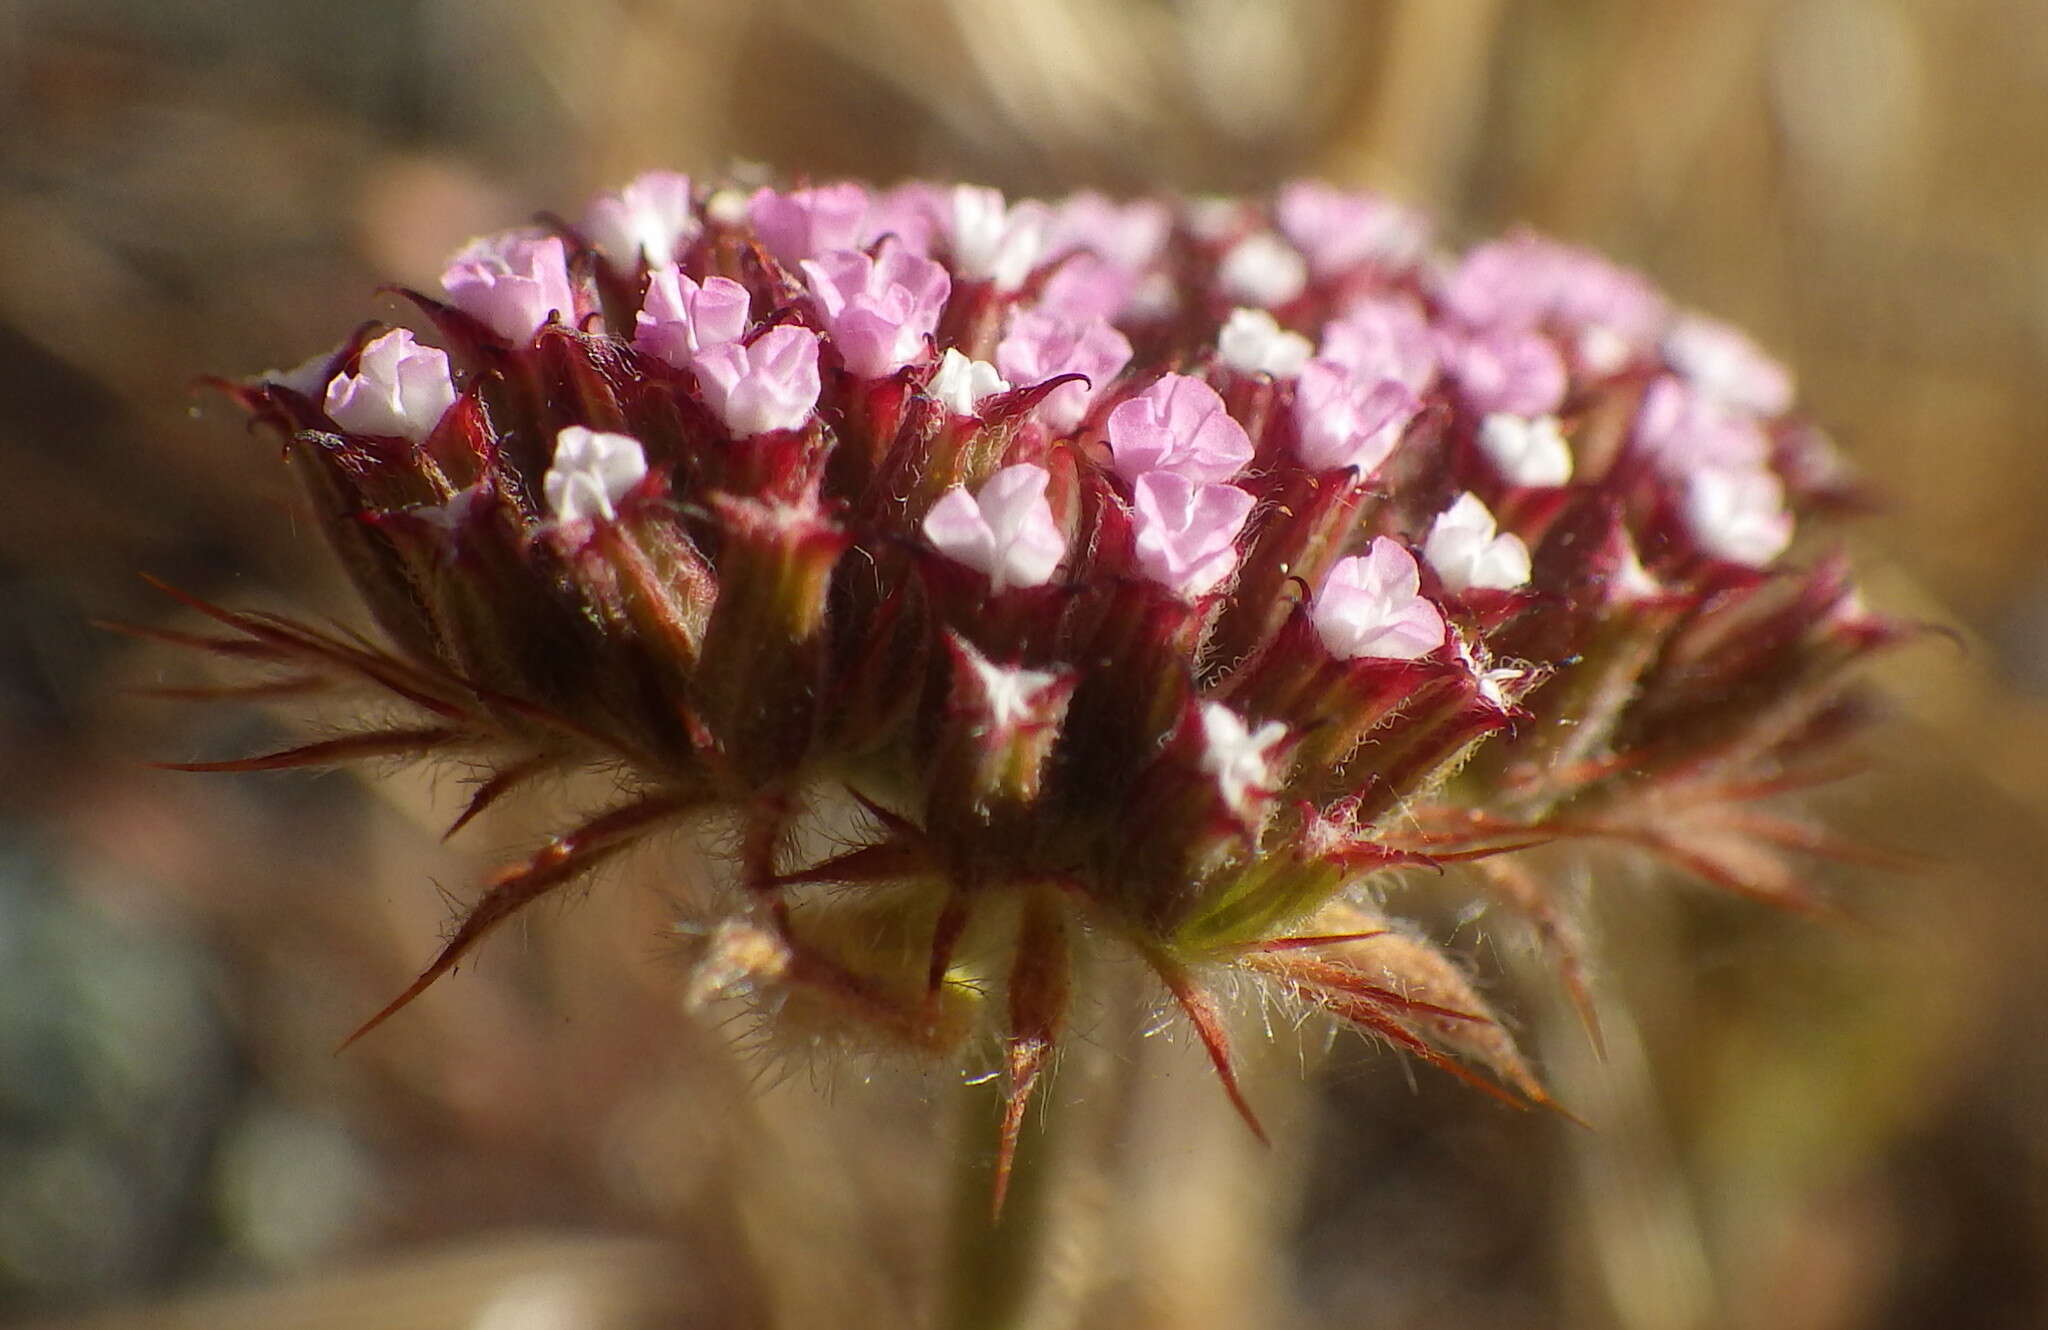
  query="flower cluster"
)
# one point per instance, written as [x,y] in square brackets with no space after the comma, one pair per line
[1155,571]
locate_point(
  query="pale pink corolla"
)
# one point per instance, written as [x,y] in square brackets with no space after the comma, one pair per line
[1006,531]
[1681,430]
[680,319]
[591,472]
[1371,605]
[1177,424]
[1344,419]
[1738,514]
[1724,364]
[1502,369]
[1244,762]
[806,223]
[651,218]
[960,384]
[1187,532]
[1526,450]
[916,212]
[1128,235]
[1383,337]
[400,389]
[1338,230]
[1468,551]
[880,310]
[769,384]
[1041,345]
[1084,286]
[511,283]
[1253,342]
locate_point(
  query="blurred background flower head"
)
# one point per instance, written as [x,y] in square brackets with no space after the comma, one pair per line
[1800,1125]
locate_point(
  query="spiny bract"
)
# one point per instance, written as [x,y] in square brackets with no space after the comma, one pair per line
[1158,571]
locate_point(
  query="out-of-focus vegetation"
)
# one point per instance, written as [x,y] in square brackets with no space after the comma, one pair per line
[1800,1125]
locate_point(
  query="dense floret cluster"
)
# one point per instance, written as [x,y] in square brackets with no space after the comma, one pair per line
[990,573]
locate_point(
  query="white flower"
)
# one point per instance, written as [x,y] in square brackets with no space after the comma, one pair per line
[1012,694]
[1006,532]
[1738,514]
[1263,270]
[399,389]
[1528,450]
[1468,551]
[592,471]
[650,218]
[960,384]
[1239,757]
[993,241]
[1253,342]
[1370,606]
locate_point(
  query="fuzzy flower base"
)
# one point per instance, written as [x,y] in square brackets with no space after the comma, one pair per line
[1157,572]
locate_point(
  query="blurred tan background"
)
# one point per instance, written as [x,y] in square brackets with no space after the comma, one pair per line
[1798,1126]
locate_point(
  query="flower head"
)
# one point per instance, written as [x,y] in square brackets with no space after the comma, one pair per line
[1141,655]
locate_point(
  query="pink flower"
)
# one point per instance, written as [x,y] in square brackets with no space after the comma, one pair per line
[1084,286]
[1241,760]
[1725,365]
[1383,337]
[879,310]
[1338,230]
[1682,430]
[915,212]
[1347,420]
[767,385]
[650,218]
[1738,514]
[1500,369]
[1041,345]
[1468,551]
[1187,532]
[511,283]
[1507,283]
[400,389]
[993,241]
[806,223]
[680,319]
[1006,532]
[1371,605]
[1178,424]
[592,471]
[1252,342]
[1526,450]
[1129,236]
